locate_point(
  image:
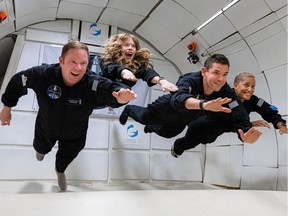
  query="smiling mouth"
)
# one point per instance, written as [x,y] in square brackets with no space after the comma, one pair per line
[75,74]
[219,84]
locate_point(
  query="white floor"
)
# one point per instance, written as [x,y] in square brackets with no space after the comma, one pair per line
[41,198]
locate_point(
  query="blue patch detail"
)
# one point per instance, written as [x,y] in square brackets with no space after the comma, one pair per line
[273,107]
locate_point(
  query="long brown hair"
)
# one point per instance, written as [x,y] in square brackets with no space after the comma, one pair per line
[112,52]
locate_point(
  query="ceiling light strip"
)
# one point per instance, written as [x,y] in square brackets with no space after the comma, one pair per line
[215,16]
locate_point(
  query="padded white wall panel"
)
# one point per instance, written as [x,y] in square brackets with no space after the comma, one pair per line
[277,80]
[233,40]
[78,11]
[256,10]
[235,51]
[129,165]
[158,142]
[282,148]
[47,36]
[163,12]
[268,46]
[259,178]
[57,25]
[97,134]
[100,3]
[29,58]
[120,18]
[20,163]
[216,165]
[7,29]
[141,89]
[167,70]
[20,131]
[75,31]
[234,139]
[282,14]
[185,168]
[141,7]
[129,136]
[221,27]
[282,178]
[258,25]
[262,89]
[210,7]
[222,140]
[167,41]
[223,165]
[23,8]
[276,4]
[234,168]
[89,165]
[263,152]
[35,17]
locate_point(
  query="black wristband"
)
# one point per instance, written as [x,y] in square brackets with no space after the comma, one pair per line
[201,104]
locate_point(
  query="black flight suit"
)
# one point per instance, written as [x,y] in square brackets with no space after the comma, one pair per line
[113,71]
[167,115]
[63,111]
[206,129]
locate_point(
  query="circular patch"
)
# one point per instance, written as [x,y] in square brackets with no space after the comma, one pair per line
[54,92]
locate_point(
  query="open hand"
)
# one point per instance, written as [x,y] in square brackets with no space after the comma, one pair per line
[123,96]
[168,86]
[128,75]
[5,116]
[260,123]
[251,136]
[216,105]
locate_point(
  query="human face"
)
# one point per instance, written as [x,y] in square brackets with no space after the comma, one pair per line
[73,66]
[214,78]
[128,49]
[245,89]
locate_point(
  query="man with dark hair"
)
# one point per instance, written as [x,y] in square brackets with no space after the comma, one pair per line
[199,93]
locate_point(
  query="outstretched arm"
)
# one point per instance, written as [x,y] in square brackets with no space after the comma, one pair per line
[165,84]
[280,125]
[251,136]
[123,96]
[260,123]
[5,116]
[212,105]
